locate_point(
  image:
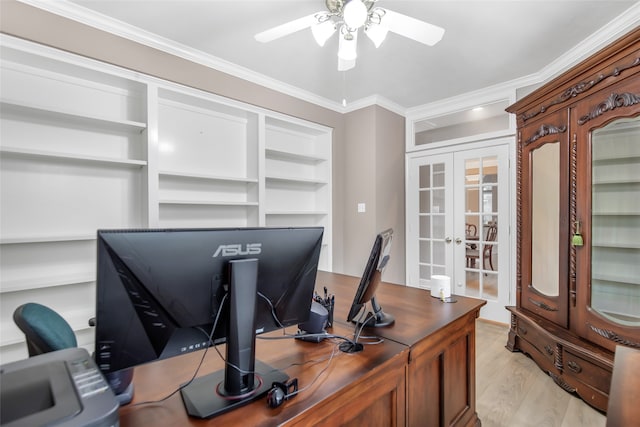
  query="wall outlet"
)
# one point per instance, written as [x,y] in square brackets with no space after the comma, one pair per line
[362,208]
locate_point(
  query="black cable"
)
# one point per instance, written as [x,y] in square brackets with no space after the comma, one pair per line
[331,356]
[204,354]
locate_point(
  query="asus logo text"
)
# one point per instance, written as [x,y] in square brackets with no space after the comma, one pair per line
[237,249]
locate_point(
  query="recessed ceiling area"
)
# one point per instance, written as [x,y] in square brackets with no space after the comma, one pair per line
[485,43]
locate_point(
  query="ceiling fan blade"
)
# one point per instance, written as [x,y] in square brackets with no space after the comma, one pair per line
[286,28]
[412,28]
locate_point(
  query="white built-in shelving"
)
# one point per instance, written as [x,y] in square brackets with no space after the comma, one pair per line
[85,146]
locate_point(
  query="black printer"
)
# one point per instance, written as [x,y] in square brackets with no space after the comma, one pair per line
[62,388]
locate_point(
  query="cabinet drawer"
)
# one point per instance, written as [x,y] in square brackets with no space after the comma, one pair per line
[543,343]
[586,371]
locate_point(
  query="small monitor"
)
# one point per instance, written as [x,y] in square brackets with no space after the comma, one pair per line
[371,278]
[162,293]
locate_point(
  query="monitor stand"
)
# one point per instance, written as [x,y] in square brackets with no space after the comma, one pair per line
[378,318]
[243,379]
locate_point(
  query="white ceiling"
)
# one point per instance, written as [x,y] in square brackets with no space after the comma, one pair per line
[485,42]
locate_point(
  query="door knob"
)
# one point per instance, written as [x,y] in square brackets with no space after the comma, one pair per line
[447,239]
[458,240]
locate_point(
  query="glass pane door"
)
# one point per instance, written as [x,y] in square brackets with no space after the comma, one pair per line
[482,227]
[431,221]
[615,224]
[458,223]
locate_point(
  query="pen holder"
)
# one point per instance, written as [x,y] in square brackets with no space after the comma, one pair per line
[327,302]
[329,306]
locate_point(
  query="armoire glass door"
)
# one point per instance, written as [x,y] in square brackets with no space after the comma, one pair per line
[615,222]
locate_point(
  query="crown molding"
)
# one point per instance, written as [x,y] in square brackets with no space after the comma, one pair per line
[375,100]
[620,25]
[613,30]
[93,19]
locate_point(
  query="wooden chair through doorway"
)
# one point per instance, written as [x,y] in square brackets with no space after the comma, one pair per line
[473,254]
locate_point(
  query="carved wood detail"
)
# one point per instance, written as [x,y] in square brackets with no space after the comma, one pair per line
[611,103]
[558,380]
[543,305]
[558,359]
[519,216]
[545,130]
[580,88]
[573,179]
[611,335]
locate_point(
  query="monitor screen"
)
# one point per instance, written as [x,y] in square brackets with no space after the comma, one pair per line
[371,277]
[159,291]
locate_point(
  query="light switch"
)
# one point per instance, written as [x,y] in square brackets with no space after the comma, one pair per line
[362,208]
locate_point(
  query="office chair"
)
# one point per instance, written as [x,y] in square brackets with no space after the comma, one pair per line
[44,329]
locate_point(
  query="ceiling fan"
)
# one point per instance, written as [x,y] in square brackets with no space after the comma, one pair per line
[347,17]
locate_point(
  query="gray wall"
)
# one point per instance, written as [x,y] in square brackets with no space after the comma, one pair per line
[374,175]
[373,133]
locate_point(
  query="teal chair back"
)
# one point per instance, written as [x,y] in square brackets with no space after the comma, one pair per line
[44,329]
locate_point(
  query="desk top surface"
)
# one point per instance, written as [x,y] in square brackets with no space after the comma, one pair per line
[417,314]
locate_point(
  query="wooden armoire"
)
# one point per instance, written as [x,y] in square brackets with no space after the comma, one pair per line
[578,216]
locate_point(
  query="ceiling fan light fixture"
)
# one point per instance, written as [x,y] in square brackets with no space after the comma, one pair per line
[322,31]
[347,17]
[355,14]
[344,65]
[376,33]
[347,46]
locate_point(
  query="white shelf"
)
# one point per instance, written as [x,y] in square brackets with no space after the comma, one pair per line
[616,213]
[206,177]
[296,213]
[9,106]
[22,152]
[619,158]
[617,181]
[206,202]
[615,278]
[296,180]
[47,239]
[295,157]
[615,245]
[48,282]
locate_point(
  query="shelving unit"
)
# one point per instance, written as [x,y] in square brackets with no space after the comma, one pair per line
[87,146]
[72,160]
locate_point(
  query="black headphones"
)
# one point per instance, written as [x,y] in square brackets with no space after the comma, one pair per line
[281,391]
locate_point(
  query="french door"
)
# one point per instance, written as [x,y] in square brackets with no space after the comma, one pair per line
[458,223]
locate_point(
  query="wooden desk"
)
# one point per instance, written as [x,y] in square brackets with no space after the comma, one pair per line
[441,380]
[423,374]
[367,388]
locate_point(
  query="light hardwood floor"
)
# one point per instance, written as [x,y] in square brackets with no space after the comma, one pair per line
[512,391]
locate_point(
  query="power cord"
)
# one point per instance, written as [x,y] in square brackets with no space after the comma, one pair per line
[204,354]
